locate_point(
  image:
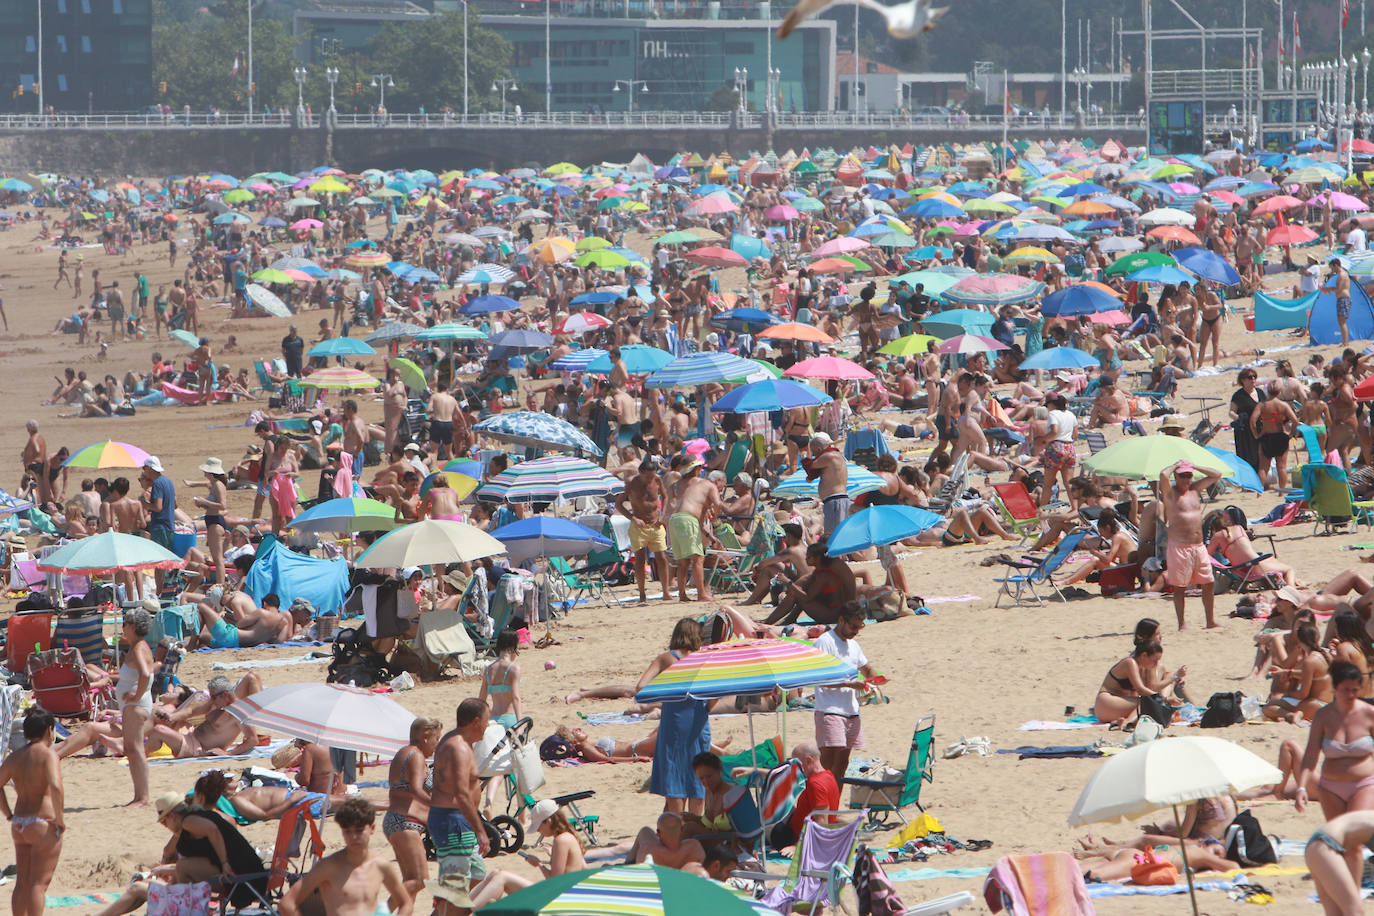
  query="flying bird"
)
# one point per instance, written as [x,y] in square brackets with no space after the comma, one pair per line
[905,20]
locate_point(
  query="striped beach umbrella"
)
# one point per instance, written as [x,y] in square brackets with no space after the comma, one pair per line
[701,369]
[367,259]
[796,486]
[346,514]
[107,454]
[102,554]
[994,289]
[486,273]
[559,476]
[751,666]
[333,715]
[451,330]
[393,330]
[626,890]
[540,430]
[577,360]
[341,378]
[10,504]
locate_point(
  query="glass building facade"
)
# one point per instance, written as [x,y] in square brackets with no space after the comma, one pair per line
[97,55]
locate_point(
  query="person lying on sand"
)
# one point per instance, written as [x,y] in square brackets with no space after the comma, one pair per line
[214,737]
[243,627]
[608,749]
[225,791]
[1204,822]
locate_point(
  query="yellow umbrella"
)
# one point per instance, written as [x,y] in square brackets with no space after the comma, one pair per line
[329,185]
[1031,254]
[1088,208]
[552,250]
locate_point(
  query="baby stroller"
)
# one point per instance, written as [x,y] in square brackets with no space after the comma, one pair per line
[355,661]
[510,756]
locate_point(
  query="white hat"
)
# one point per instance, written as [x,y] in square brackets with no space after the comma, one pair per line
[543,809]
[823,437]
[212,466]
[411,447]
[152,464]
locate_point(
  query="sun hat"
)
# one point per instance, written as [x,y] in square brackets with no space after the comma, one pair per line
[1290,594]
[543,809]
[165,802]
[212,466]
[1184,467]
[1171,423]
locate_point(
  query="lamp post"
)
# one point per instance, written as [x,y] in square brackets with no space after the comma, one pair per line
[742,88]
[630,90]
[331,74]
[774,77]
[39,80]
[250,61]
[1364,81]
[465,60]
[504,85]
[1078,83]
[382,82]
[300,73]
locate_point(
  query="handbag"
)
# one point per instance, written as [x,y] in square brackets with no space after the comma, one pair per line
[1156,708]
[179,899]
[529,769]
[1150,869]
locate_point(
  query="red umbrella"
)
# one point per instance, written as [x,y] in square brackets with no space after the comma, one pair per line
[715,256]
[1289,235]
[1359,146]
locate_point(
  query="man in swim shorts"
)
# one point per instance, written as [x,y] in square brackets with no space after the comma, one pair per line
[455,826]
[827,463]
[698,501]
[213,737]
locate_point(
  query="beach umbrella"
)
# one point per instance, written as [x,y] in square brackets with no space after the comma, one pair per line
[429,542]
[770,395]
[451,330]
[538,430]
[546,536]
[411,374]
[393,330]
[791,330]
[551,250]
[346,514]
[1145,457]
[603,258]
[1130,263]
[828,367]
[107,454]
[994,290]
[1290,234]
[522,339]
[341,346]
[1079,299]
[910,345]
[796,486]
[1059,358]
[185,337]
[362,258]
[1120,243]
[969,343]
[577,360]
[1161,273]
[341,378]
[625,890]
[744,667]
[1240,472]
[1166,216]
[267,301]
[715,256]
[877,525]
[1207,264]
[1166,773]
[582,322]
[103,554]
[11,504]
[842,245]
[1031,255]
[484,305]
[702,368]
[1174,234]
[547,479]
[747,320]
[331,715]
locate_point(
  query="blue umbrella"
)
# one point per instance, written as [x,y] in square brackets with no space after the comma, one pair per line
[1079,299]
[749,247]
[744,319]
[702,368]
[926,252]
[934,209]
[1082,189]
[341,346]
[540,430]
[577,360]
[483,305]
[1160,273]
[544,536]
[1207,264]
[639,359]
[272,222]
[522,340]
[1059,358]
[1242,474]
[596,297]
[772,394]
[878,525]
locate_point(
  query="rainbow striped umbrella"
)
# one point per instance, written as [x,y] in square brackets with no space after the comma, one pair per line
[460,483]
[749,666]
[346,514]
[994,289]
[549,479]
[102,554]
[463,474]
[341,378]
[107,454]
[626,890]
[367,259]
[796,486]
[10,504]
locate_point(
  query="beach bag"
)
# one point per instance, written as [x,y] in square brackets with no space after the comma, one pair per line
[1223,709]
[555,748]
[179,899]
[1156,708]
[529,769]
[494,753]
[884,796]
[1149,869]
[1247,844]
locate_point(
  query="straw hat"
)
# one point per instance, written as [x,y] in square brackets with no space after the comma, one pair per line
[286,755]
[212,466]
[452,888]
[1171,423]
[166,802]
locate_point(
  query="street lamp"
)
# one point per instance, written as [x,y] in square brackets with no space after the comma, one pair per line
[382,82]
[504,84]
[774,77]
[300,73]
[332,75]
[465,66]
[1364,81]
[742,88]
[630,87]
[1078,81]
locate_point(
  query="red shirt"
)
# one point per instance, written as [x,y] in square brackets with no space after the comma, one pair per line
[821,793]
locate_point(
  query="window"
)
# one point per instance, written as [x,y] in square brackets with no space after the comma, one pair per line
[62,43]
[118,9]
[85,44]
[85,6]
[61,82]
[29,45]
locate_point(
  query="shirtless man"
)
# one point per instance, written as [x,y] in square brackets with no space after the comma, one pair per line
[738,510]
[643,502]
[34,459]
[1110,407]
[442,407]
[350,880]
[114,305]
[1187,562]
[404,497]
[619,376]
[821,594]
[176,299]
[947,413]
[1247,247]
[1340,285]
[1209,322]
[250,626]
[355,435]
[36,823]
[213,737]
[827,463]
[789,563]
[668,847]
[454,824]
[393,405]
[698,502]
[620,405]
[316,773]
[201,702]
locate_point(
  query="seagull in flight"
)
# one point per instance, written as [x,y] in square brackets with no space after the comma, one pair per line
[905,20]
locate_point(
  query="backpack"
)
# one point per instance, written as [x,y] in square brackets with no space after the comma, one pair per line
[555,748]
[1247,844]
[1223,709]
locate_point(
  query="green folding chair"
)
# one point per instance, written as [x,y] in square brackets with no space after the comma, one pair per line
[886,799]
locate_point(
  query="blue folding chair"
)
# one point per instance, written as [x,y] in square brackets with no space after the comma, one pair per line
[1037,571]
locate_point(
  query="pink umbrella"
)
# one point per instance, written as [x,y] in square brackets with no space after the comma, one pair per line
[299,276]
[712,204]
[781,211]
[1276,203]
[1289,235]
[828,367]
[306,223]
[1184,187]
[842,245]
[1114,318]
[1234,200]
[582,322]
[969,343]
[715,256]
[1340,201]
[262,187]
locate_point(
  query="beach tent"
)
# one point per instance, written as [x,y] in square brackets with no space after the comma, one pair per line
[293,575]
[1275,314]
[1323,329]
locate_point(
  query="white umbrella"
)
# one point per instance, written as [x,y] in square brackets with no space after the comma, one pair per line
[1166,773]
[430,542]
[1166,216]
[333,715]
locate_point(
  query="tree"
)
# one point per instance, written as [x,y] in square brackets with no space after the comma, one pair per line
[425,59]
[196,61]
[724,98]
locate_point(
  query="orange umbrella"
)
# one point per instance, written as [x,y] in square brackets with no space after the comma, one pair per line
[1087,208]
[794,331]
[834,266]
[1289,235]
[1174,234]
[1102,286]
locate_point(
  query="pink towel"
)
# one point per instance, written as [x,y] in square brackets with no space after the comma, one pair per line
[343,481]
[1045,884]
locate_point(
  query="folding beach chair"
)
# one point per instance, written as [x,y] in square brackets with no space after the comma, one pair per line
[60,685]
[951,488]
[1096,439]
[1038,572]
[824,851]
[1311,443]
[882,800]
[290,862]
[1326,489]
[1018,509]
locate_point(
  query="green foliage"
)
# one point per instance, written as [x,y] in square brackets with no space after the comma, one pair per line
[196,61]
[425,59]
[724,98]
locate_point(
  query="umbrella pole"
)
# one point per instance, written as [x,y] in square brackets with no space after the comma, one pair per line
[1183,851]
[754,759]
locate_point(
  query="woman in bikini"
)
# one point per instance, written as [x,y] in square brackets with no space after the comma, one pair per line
[214,504]
[1343,430]
[1118,545]
[548,822]
[1308,685]
[36,823]
[608,749]
[1208,325]
[501,681]
[408,787]
[1133,677]
[441,501]
[1272,423]
[1348,642]
[1343,734]
[1316,413]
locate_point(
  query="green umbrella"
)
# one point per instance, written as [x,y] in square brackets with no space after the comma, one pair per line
[1145,457]
[677,237]
[1130,263]
[269,275]
[606,260]
[910,345]
[591,243]
[411,374]
[624,890]
[185,337]
[237,196]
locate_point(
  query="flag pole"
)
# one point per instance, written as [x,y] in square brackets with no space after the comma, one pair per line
[1006,116]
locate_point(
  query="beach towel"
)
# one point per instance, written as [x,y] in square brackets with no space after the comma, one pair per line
[270,663]
[1050,725]
[935,874]
[877,896]
[1052,751]
[616,718]
[1044,884]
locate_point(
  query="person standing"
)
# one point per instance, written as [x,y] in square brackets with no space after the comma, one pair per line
[393,407]
[1244,401]
[683,731]
[1187,562]
[34,459]
[292,351]
[36,823]
[839,729]
[642,501]
[454,824]
[698,502]
[827,463]
[1340,286]
[161,499]
[134,692]
[350,881]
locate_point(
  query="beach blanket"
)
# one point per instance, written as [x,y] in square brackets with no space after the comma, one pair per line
[295,644]
[81,900]
[609,718]
[931,874]
[1052,751]
[271,663]
[1049,725]
[1037,885]
[948,599]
